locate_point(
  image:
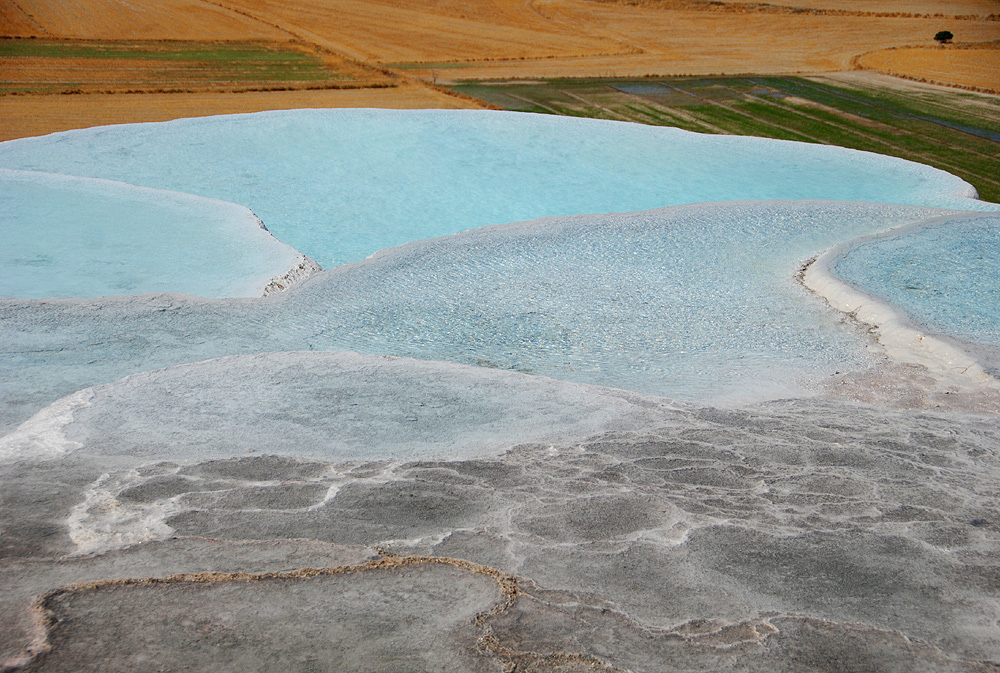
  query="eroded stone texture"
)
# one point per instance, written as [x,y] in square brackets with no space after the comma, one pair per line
[796,535]
[24,579]
[554,623]
[380,619]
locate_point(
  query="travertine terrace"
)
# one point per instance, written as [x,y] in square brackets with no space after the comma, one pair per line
[411,46]
[489,449]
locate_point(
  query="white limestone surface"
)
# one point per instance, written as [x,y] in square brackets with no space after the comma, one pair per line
[692,302]
[953,364]
[327,405]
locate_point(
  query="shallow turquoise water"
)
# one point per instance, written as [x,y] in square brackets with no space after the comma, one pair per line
[339,185]
[696,301]
[946,277]
[692,302]
[80,237]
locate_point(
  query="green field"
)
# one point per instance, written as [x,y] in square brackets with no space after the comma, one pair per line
[956,131]
[65,66]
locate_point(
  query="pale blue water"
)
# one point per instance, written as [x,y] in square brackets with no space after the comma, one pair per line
[79,237]
[946,277]
[692,302]
[339,185]
[696,302]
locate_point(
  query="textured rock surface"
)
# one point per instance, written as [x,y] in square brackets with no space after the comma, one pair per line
[795,535]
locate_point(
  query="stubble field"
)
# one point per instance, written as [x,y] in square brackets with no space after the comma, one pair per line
[973,68]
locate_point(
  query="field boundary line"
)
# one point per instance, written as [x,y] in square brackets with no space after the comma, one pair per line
[858,132]
[899,113]
[769,8]
[745,114]
[596,105]
[876,89]
[673,111]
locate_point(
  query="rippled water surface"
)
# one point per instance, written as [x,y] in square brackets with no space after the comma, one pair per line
[274,498]
[339,185]
[696,302]
[945,276]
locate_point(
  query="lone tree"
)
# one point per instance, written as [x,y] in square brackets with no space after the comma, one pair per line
[944,37]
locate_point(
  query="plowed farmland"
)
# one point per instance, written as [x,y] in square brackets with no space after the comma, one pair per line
[81,66]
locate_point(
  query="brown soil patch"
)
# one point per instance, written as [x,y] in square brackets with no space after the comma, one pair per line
[977,68]
[22,116]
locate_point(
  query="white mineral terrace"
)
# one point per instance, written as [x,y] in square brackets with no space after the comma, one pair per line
[947,360]
[559,401]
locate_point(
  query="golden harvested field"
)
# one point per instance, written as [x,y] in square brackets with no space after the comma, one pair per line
[408,44]
[22,116]
[686,42]
[927,7]
[392,31]
[974,68]
[130,20]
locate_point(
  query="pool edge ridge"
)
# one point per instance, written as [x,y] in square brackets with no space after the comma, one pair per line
[302,268]
[901,338]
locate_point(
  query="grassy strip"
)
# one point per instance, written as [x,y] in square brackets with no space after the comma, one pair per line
[954,132]
[955,107]
[205,52]
[83,65]
[662,117]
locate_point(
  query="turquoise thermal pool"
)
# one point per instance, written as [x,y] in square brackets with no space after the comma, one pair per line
[945,277]
[567,393]
[339,185]
[66,236]
[687,292]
